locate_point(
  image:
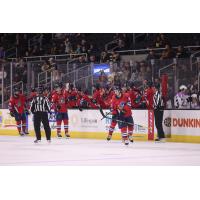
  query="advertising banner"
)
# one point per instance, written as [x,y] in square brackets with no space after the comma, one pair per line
[91,121]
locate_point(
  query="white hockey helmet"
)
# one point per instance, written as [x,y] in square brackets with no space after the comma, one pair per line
[194,96]
[183,87]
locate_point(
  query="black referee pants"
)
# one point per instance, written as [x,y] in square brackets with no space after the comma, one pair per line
[38,118]
[158,114]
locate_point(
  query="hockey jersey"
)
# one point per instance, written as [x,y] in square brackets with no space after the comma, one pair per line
[17,104]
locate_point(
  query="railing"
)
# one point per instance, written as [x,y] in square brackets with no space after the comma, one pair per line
[110,43]
[46,77]
[55,57]
[166,67]
[143,51]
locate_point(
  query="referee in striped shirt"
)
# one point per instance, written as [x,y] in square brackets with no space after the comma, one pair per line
[40,106]
[158,113]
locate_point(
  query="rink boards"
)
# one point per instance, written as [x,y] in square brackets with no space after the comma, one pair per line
[179,125]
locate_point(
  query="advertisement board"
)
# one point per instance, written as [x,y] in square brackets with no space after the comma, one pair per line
[178,125]
[91,121]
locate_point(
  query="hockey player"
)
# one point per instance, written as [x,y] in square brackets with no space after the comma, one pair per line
[149,94]
[18,109]
[59,104]
[72,96]
[137,100]
[107,96]
[84,101]
[121,110]
[97,97]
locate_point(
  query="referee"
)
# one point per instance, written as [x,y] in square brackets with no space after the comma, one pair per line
[158,113]
[40,106]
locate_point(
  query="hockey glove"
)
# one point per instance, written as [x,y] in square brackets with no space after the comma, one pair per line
[58,107]
[12,114]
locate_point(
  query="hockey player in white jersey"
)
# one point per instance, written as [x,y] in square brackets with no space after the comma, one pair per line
[181,98]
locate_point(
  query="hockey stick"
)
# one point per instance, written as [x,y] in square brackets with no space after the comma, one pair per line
[117,120]
[106,116]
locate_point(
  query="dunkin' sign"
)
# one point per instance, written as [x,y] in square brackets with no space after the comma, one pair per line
[183,122]
[186,122]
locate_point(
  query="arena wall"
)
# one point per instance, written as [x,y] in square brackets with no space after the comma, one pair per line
[179,125]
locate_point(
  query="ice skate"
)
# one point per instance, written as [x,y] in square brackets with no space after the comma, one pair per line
[37,141]
[126,142]
[130,137]
[109,137]
[59,136]
[22,133]
[67,135]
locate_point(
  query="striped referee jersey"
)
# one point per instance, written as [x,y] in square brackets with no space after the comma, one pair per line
[40,104]
[157,100]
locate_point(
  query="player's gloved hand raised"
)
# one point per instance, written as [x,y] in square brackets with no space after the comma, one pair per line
[80,109]
[12,114]
[27,112]
[58,107]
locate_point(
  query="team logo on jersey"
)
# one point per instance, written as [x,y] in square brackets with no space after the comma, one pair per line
[19,103]
[62,100]
[167,121]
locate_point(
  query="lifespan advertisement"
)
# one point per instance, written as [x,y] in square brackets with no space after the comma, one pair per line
[91,121]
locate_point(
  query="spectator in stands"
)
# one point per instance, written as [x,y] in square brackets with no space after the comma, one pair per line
[103,78]
[61,49]
[53,49]
[114,57]
[78,49]
[45,66]
[104,57]
[158,42]
[120,45]
[118,79]
[35,51]
[83,42]
[83,49]
[68,46]
[134,75]
[126,71]
[91,50]
[194,103]
[167,53]
[181,53]
[164,40]
[151,55]
[92,59]
[148,73]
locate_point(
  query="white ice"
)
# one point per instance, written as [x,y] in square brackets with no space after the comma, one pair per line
[83,152]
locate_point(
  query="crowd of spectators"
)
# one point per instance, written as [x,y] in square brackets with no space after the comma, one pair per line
[121,71]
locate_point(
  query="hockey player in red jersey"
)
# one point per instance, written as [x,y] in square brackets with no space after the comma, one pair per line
[18,109]
[149,94]
[97,97]
[59,104]
[72,96]
[107,96]
[121,110]
[137,99]
[84,101]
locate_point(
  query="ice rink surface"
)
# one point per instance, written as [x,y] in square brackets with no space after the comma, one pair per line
[21,151]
